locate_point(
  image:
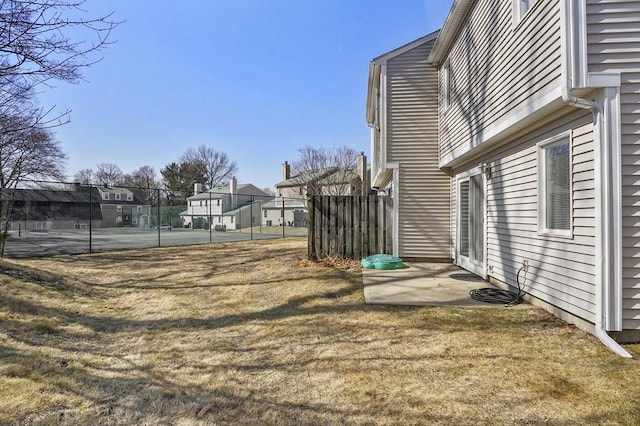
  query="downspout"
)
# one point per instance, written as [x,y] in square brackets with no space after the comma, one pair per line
[602,277]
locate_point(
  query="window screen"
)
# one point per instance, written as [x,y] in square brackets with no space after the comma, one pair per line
[557,186]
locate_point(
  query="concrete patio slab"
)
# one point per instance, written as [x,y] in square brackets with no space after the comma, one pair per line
[423,284]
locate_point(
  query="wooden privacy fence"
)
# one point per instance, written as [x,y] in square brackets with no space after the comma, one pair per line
[349,226]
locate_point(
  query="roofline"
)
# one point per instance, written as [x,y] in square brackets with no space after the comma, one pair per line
[375,69]
[372,85]
[449,31]
[406,47]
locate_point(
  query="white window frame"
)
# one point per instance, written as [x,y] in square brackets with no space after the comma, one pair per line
[446,85]
[466,262]
[118,196]
[105,195]
[119,209]
[521,8]
[129,197]
[543,229]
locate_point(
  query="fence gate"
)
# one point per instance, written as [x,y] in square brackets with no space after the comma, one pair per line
[349,226]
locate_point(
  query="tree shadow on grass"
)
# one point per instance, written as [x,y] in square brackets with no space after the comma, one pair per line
[81,354]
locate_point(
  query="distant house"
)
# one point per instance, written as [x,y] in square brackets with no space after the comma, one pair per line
[123,207]
[532,110]
[289,208]
[45,209]
[233,206]
[325,181]
[285,211]
[243,216]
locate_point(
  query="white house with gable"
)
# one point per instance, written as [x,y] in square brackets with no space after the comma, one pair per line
[232,206]
[537,133]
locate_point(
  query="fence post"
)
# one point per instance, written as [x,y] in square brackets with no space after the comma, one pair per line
[158,213]
[349,252]
[282,217]
[250,215]
[210,221]
[90,217]
[311,231]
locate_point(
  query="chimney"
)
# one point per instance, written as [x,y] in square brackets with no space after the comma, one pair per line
[197,188]
[286,171]
[233,190]
[361,170]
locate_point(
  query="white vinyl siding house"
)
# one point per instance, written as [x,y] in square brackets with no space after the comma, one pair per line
[512,85]
[561,270]
[492,83]
[285,212]
[403,113]
[233,205]
[613,46]
[517,80]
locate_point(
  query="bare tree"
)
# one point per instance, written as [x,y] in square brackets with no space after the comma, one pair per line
[36,48]
[218,168]
[83,176]
[325,170]
[269,191]
[108,174]
[145,179]
[27,152]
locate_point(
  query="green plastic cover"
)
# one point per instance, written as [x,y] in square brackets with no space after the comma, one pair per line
[382,261]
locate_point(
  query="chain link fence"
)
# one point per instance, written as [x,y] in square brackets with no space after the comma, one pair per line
[48,218]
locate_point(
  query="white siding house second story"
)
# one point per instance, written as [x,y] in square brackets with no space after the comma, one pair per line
[499,72]
[402,111]
[529,87]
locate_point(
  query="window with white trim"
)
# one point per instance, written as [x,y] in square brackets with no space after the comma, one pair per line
[105,195]
[129,197]
[554,186]
[446,85]
[119,209]
[118,196]
[521,7]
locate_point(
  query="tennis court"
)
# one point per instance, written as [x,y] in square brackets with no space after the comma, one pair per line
[48,243]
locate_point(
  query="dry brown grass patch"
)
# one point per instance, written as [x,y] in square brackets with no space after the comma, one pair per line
[250,333]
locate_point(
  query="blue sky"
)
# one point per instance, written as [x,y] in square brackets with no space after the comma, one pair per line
[255,79]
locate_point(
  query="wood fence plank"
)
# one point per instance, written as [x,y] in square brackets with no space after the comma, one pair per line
[348,226]
[311,240]
[357,240]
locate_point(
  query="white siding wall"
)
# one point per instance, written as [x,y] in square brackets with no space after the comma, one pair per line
[412,142]
[291,191]
[613,38]
[275,216]
[489,74]
[202,208]
[561,271]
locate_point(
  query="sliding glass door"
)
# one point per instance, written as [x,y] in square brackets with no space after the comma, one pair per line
[470,224]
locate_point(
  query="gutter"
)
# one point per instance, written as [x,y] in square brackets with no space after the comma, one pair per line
[604,206]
